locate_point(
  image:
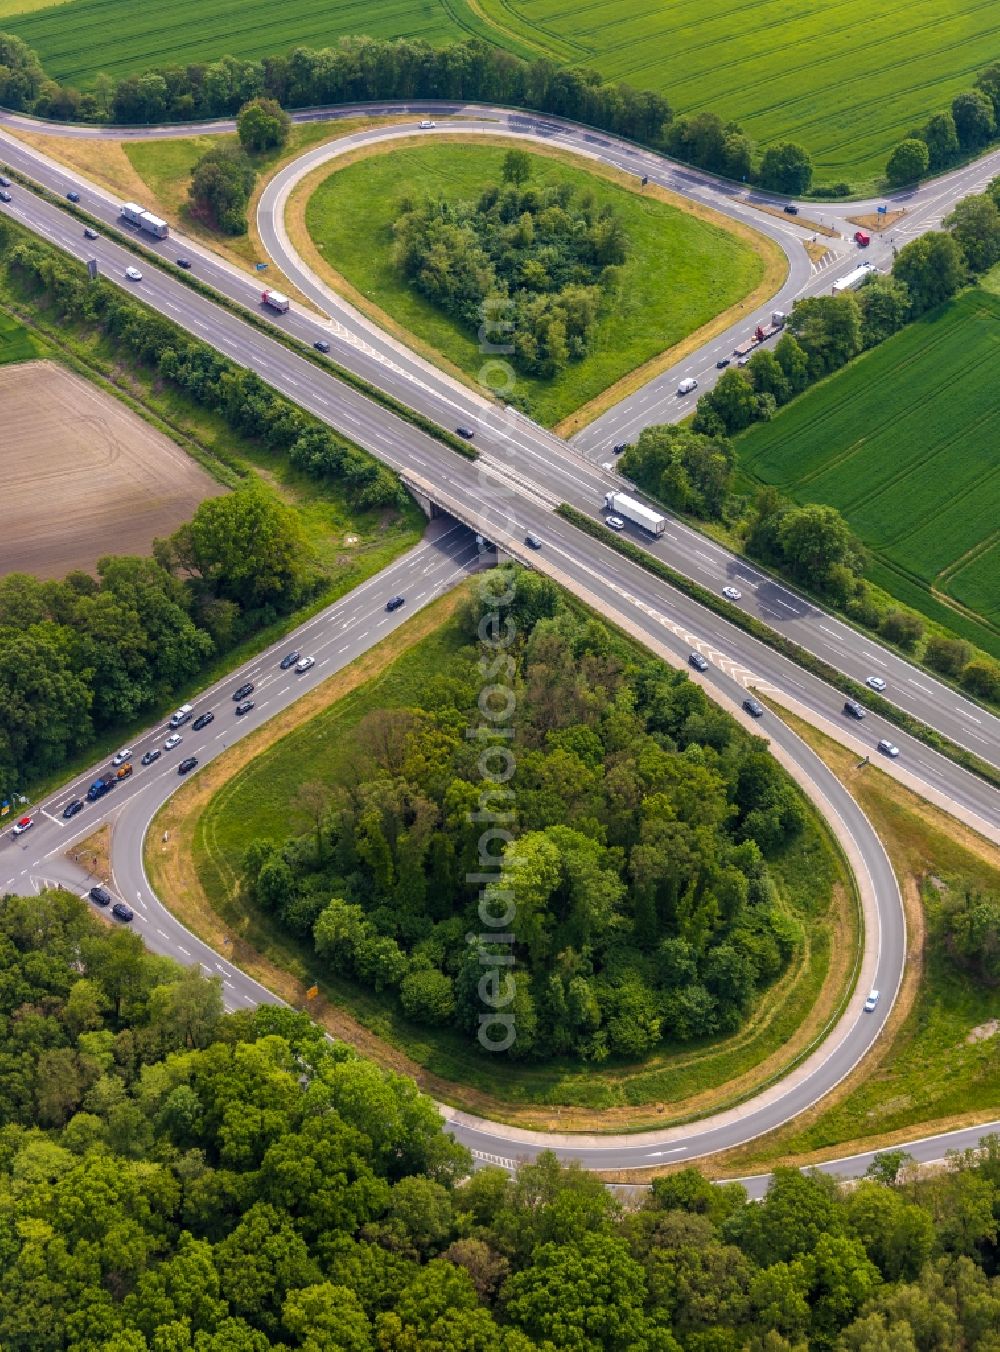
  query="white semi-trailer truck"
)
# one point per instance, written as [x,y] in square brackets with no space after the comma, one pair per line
[145,220]
[633,511]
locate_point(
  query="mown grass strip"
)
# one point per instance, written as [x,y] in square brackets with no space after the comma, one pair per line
[786,647]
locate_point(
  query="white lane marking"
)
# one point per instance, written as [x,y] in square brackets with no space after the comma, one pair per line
[968,715]
[924,688]
[182,949]
[877,660]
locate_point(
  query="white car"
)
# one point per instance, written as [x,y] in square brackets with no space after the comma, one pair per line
[875,683]
[133,274]
[887,748]
[305,663]
[427,124]
[615,522]
[732,593]
[871,1002]
[173,740]
[687,385]
[120,757]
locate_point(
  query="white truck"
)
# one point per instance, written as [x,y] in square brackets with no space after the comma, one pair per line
[854,279]
[635,512]
[181,716]
[276,301]
[145,220]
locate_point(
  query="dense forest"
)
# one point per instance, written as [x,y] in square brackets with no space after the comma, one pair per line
[532,267]
[638,834]
[173,1179]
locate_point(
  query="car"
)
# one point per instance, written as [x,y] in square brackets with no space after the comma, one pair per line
[687,386]
[871,1002]
[289,659]
[615,522]
[122,911]
[202,721]
[187,764]
[4,181]
[133,274]
[854,710]
[697,661]
[789,210]
[4,195]
[732,593]
[622,446]
[245,689]
[533,542]
[466,432]
[25,824]
[305,663]
[609,466]
[184,263]
[151,756]
[74,806]
[875,683]
[394,602]
[753,708]
[101,896]
[244,707]
[888,748]
[742,361]
[321,345]
[89,232]
[427,124]
[73,197]
[123,771]
[120,757]
[722,363]
[173,740]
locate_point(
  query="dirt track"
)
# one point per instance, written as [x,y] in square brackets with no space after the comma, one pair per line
[82,476]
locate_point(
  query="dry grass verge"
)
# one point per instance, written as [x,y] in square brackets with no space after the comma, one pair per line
[876,223]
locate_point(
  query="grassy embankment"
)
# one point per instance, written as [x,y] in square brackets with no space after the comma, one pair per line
[688,271]
[249,794]
[930,1071]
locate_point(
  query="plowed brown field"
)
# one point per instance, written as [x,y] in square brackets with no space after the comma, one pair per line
[82,476]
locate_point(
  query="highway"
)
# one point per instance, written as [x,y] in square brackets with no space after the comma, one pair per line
[521,475]
[532,461]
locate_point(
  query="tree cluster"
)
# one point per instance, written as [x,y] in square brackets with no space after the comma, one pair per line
[643,824]
[173,1179]
[221,184]
[537,266]
[965,129]
[684,469]
[262,124]
[362,70]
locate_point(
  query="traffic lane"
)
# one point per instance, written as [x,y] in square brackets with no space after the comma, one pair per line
[716,639]
[395,441]
[421,575]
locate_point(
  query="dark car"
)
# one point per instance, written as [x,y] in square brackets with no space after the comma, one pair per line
[89,232]
[4,195]
[73,197]
[151,756]
[289,659]
[854,709]
[4,181]
[73,807]
[202,721]
[466,432]
[245,707]
[122,910]
[622,446]
[698,662]
[188,763]
[394,602]
[245,689]
[101,895]
[184,263]
[789,210]
[321,345]
[722,363]
[754,709]
[533,542]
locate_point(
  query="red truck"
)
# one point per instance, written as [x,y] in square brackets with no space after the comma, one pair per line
[861,239]
[761,334]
